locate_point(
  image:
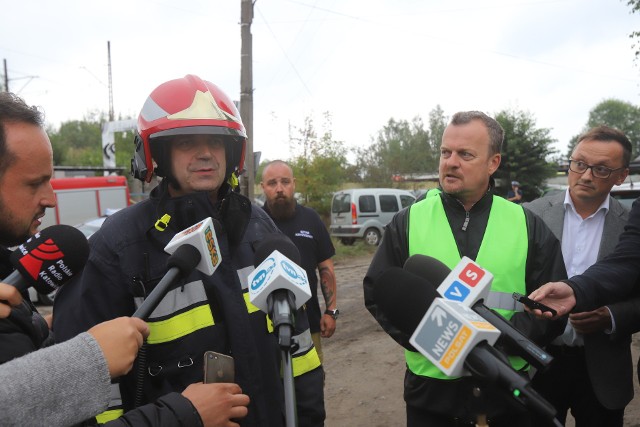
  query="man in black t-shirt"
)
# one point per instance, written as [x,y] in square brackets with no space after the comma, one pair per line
[307,231]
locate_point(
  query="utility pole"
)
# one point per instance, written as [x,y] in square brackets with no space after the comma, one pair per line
[6,76]
[110,83]
[246,94]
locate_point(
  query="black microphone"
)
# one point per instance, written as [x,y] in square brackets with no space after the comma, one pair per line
[405,298]
[182,262]
[49,259]
[515,342]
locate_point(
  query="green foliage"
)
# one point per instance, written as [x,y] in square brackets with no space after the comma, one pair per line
[635,35]
[524,154]
[79,143]
[402,147]
[319,164]
[615,113]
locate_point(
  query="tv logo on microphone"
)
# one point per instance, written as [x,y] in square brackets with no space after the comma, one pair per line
[467,283]
[278,272]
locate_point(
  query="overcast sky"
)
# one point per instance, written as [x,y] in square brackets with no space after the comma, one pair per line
[362,61]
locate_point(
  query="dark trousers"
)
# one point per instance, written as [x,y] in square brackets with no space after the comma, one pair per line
[566,385]
[420,418]
[310,398]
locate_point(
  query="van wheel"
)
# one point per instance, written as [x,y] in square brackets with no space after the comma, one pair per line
[372,237]
[348,241]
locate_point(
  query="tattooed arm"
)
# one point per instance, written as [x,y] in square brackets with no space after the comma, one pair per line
[328,287]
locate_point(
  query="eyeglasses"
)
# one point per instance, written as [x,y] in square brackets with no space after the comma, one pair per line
[601,172]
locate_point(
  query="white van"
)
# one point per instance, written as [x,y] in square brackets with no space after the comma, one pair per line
[362,213]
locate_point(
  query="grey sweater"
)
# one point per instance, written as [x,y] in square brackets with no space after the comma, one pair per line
[55,386]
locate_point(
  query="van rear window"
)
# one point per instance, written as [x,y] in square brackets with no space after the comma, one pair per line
[341,203]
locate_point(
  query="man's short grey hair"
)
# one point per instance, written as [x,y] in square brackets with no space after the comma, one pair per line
[496,132]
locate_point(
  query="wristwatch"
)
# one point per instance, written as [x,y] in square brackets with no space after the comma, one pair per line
[333,313]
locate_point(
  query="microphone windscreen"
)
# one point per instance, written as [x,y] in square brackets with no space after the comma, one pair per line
[403,297]
[185,258]
[51,257]
[272,242]
[428,268]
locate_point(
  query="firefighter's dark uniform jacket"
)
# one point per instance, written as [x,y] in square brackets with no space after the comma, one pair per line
[24,330]
[202,313]
[544,263]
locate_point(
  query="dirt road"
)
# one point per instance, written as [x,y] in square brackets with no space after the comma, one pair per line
[365,367]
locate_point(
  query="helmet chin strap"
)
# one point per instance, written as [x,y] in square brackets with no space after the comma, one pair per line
[233,181]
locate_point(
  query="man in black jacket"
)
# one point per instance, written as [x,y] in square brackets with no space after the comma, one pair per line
[466,219]
[611,279]
[190,134]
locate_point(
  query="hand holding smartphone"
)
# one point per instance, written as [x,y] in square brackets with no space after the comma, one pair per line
[218,368]
[533,304]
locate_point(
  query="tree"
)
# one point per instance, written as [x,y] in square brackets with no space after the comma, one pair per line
[524,154]
[319,164]
[635,7]
[401,147]
[77,143]
[615,113]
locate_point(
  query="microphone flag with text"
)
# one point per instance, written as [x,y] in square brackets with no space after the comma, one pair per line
[469,284]
[48,259]
[452,336]
[195,247]
[278,286]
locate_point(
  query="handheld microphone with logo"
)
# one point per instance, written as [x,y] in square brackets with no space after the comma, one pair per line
[452,336]
[48,259]
[469,284]
[278,286]
[196,247]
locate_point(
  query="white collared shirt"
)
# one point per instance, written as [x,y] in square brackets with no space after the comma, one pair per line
[580,246]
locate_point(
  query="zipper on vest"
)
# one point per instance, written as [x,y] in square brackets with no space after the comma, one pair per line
[466,221]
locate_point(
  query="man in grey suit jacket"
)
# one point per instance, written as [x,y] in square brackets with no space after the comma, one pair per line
[592,371]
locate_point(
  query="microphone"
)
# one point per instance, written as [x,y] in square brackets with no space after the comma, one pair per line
[278,286]
[452,336]
[195,247]
[469,284]
[49,259]
[202,236]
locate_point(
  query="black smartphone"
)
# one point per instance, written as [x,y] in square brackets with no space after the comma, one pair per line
[532,304]
[218,368]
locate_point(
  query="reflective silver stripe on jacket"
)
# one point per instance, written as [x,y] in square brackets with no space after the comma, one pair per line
[305,341]
[243,275]
[502,300]
[180,298]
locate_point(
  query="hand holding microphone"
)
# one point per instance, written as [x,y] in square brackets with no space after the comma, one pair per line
[120,339]
[9,296]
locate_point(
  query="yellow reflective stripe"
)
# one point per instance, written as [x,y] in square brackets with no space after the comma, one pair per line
[180,325]
[110,415]
[250,307]
[305,363]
